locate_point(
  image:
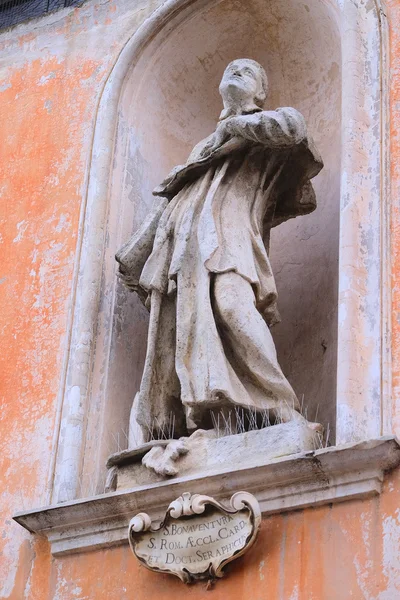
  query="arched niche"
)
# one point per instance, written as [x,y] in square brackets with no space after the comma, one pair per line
[175,103]
[322,57]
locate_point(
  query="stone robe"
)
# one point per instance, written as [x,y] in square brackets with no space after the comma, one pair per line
[214,216]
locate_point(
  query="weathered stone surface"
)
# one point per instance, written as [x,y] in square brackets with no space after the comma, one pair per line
[198,535]
[200,264]
[207,453]
[302,249]
[314,478]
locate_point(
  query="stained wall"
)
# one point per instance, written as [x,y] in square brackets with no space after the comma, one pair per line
[52,72]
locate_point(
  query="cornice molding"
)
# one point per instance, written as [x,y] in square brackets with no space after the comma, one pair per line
[336,474]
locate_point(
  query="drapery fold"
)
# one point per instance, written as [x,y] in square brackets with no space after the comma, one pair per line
[219,215]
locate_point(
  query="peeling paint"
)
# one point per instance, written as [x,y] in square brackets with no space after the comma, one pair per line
[21,227]
[45,78]
[262,563]
[391,557]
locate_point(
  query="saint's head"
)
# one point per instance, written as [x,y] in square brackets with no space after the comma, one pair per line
[244,87]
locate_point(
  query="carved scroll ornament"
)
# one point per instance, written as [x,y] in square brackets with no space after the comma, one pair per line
[198,536]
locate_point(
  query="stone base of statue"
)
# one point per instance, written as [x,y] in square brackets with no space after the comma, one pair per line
[206,452]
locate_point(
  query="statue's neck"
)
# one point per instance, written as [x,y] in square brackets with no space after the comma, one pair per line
[235,110]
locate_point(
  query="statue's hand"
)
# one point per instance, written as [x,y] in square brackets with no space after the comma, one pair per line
[220,136]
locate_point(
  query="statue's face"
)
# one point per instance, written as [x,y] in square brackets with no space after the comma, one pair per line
[241,81]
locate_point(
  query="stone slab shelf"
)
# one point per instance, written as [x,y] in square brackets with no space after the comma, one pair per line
[293,482]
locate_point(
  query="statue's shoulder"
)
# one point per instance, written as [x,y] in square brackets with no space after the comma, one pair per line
[295,118]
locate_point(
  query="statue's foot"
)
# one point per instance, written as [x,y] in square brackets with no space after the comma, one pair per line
[318,427]
[286,414]
[163,460]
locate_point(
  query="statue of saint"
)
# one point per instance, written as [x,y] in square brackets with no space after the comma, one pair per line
[200,263]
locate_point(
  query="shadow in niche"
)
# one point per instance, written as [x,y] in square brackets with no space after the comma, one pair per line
[171,105]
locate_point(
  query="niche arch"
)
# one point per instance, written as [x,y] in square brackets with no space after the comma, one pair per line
[324,57]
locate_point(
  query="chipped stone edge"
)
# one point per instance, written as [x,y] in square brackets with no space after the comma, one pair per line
[351,471]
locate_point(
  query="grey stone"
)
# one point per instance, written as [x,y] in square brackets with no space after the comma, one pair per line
[200,264]
[204,452]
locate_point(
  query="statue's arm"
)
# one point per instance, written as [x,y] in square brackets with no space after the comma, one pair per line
[281,128]
[133,255]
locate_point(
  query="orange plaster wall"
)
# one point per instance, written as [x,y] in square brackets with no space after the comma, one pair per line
[42,171]
[50,81]
[51,76]
[341,552]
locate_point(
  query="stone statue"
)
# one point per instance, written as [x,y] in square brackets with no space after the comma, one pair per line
[200,263]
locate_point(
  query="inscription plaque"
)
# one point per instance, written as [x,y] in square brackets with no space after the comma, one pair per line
[198,536]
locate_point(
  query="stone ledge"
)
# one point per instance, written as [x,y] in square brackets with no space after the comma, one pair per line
[309,479]
[205,452]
